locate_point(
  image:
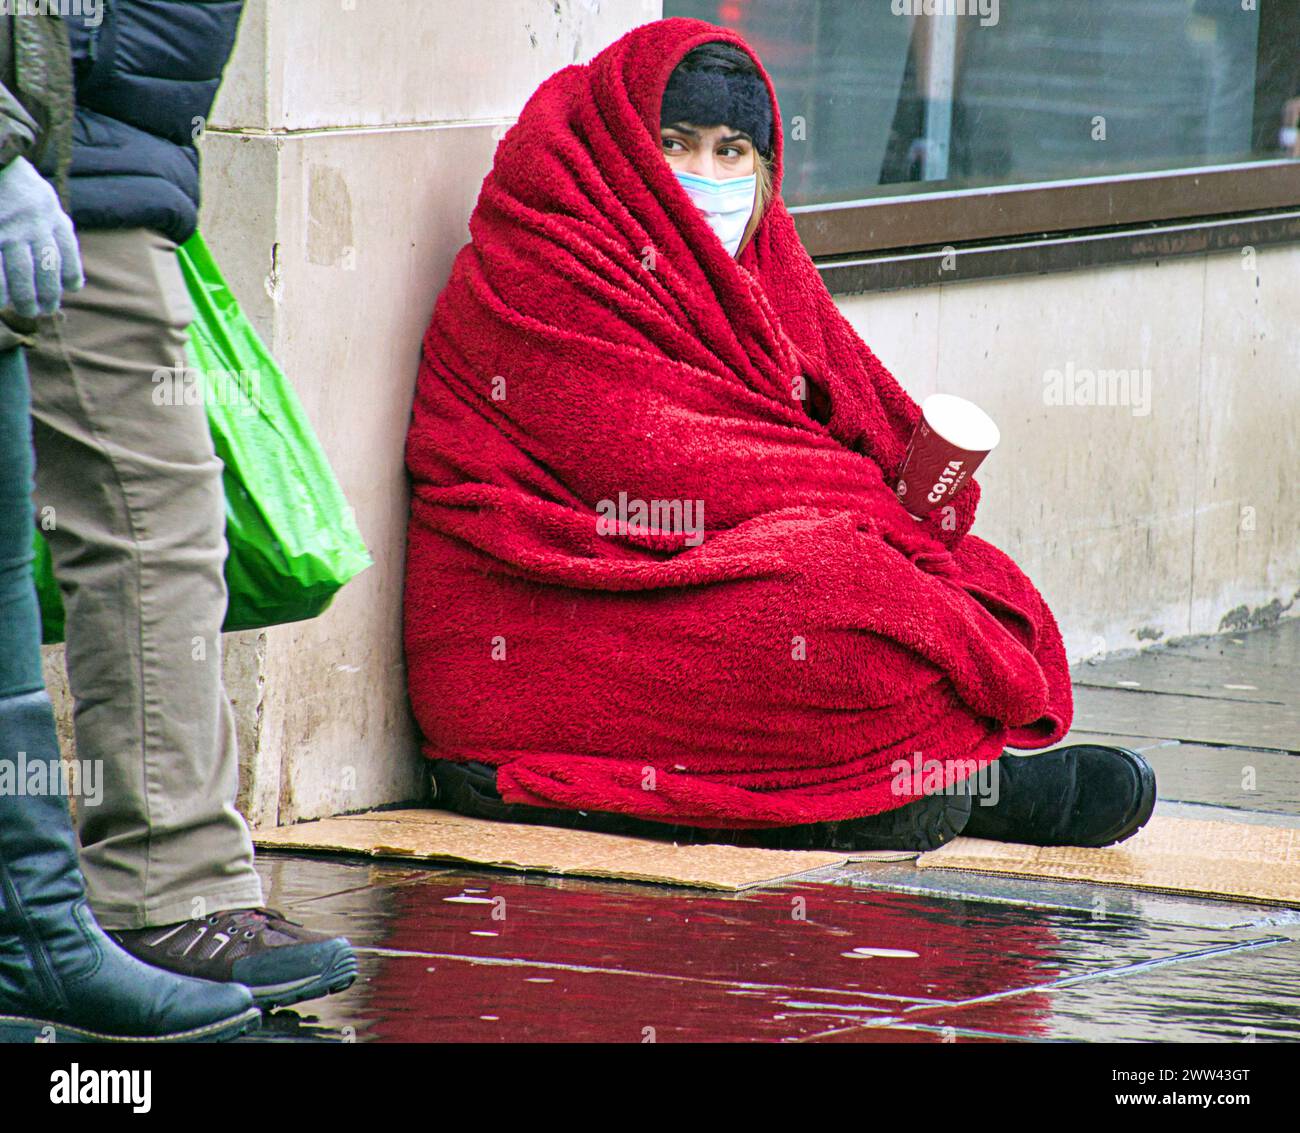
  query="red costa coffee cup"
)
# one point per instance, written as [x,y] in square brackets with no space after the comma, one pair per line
[951,439]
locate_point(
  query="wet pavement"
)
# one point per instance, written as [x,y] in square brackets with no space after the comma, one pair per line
[867,952]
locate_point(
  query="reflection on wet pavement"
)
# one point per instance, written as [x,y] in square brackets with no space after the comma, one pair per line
[1249,995]
[492,956]
[868,952]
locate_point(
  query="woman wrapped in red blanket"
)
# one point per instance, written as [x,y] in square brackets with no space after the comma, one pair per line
[657,578]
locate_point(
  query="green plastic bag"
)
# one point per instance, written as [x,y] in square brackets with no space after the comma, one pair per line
[293,538]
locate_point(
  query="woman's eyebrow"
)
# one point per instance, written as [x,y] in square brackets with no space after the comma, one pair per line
[690,131]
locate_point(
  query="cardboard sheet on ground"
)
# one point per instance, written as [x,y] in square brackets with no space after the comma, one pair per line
[1215,859]
[1177,855]
[439,835]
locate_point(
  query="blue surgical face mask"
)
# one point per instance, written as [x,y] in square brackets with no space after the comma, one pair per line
[727,205]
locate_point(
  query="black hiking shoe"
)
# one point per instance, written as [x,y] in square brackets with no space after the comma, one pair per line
[1081,795]
[925,824]
[277,959]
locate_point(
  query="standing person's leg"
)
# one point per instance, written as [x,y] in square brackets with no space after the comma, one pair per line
[138,539]
[60,976]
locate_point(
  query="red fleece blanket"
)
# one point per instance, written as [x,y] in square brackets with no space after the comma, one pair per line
[598,376]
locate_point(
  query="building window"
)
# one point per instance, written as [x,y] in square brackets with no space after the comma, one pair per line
[913,123]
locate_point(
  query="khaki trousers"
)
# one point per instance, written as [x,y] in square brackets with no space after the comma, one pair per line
[129,492]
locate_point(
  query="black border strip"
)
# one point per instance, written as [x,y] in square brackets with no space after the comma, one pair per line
[1068,251]
[1011,212]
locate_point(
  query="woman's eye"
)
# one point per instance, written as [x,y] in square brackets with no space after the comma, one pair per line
[670,142]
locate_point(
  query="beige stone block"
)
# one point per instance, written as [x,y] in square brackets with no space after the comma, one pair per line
[378,64]
[239,217]
[244,98]
[1247,547]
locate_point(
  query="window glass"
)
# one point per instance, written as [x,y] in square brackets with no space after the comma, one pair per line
[890,97]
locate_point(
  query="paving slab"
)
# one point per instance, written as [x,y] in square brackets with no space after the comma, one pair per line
[1190,719]
[1235,690]
[1250,995]
[1173,672]
[1043,893]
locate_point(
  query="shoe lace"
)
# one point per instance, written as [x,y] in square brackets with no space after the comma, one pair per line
[248,921]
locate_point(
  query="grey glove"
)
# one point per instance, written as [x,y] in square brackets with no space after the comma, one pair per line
[38,249]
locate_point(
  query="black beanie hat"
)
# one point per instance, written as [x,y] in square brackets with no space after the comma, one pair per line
[717,84]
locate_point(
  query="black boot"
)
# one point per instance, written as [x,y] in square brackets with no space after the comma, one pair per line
[1082,795]
[61,978]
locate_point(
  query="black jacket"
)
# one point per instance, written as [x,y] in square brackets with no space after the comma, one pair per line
[146,76]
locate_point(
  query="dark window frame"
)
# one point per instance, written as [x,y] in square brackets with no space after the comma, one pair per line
[897,241]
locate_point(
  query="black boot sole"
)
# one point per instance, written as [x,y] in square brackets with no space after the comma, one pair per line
[917,827]
[17,1028]
[922,826]
[470,789]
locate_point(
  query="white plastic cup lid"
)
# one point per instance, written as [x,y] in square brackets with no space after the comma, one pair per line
[961,422]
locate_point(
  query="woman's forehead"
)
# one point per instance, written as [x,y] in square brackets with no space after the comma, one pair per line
[691,130]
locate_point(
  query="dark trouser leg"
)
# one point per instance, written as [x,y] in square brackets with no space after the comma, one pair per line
[20,627]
